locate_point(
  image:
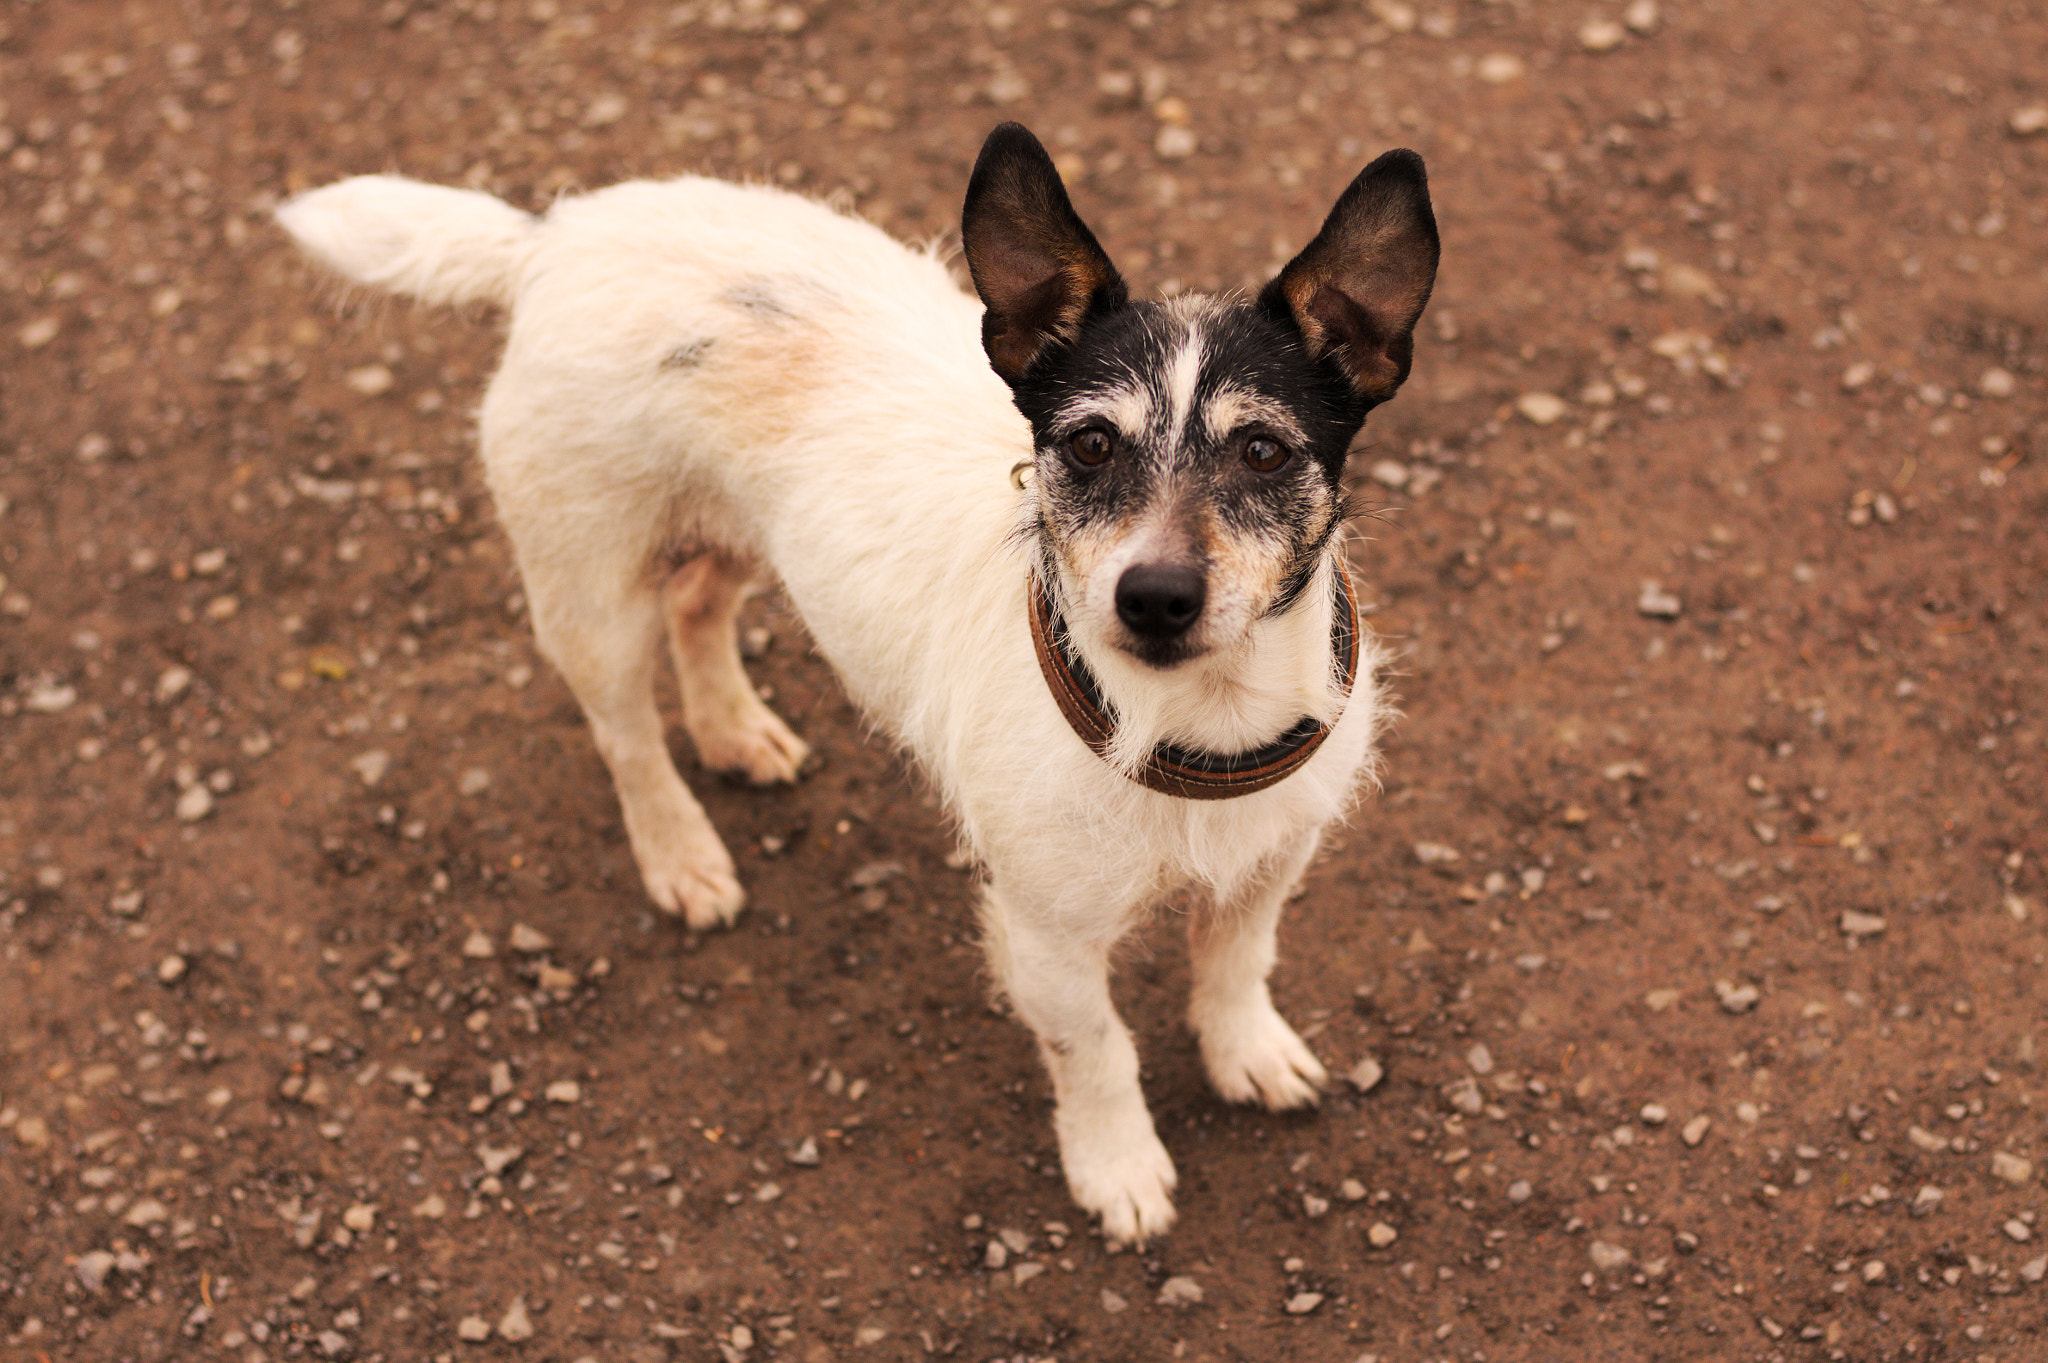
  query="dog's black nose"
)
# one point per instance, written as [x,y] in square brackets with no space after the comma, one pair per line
[1160,600]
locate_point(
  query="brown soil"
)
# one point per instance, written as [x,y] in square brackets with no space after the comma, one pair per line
[1784,266]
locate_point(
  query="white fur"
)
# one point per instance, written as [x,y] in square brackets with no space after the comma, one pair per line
[731,379]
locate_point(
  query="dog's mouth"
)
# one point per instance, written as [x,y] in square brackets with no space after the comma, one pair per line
[1162,655]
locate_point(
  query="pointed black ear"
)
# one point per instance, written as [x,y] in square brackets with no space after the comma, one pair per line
[1357,290]
[1036,265]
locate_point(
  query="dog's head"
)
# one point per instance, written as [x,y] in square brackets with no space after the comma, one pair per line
[1190,453]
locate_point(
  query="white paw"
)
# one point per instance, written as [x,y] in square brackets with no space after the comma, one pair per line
[1126,1181]
[1253,1056]
[757,743]
[701,886]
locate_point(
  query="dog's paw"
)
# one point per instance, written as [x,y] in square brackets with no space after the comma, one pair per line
[1128,1185]
[702,890]
[1253,1056]
[758,745]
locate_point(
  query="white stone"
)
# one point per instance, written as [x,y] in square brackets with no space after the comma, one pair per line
[1541,409]
[194,804]
[515,1324]
[1498,68]
[1608,1257]
[1601,35]
[1366,1075]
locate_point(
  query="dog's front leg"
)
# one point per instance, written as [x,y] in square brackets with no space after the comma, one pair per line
[1057,976]
[1252,1055]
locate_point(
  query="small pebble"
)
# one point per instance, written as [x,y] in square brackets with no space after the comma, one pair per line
[529,941]
[1379,1235]
[2018,1231]
[1112,1303]
[360,1218]
[92,1269]
[2030,120]
[997,1256]
[1873,1271]
[146,1212]
[194,804]
[474,781]
[1366,1075]
[474,1329]
[1695,1130]
[805,1154]
[1736,998]
[1641,16]
[515,1324]
[478,946]
[1654,1114]
[1657,603]
[1181,1291]
[1498,68]
[1607,1257]
[2010,1168]
[1996,382]
[1479,1058]
[1600,35]
[1175,142]
[371,766]
[1351,1190]
[1519,1191]
[564,1091]
[371,380]
[171,969]
[1301,1303]
[1541,409]
[2034,1270]
[1924,1140]
[1928,1199]
[1861,925]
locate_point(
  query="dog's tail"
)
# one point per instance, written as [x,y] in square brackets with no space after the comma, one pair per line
[436,244]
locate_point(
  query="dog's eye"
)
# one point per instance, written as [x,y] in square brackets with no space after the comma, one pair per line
[1265,454]
[1092,446]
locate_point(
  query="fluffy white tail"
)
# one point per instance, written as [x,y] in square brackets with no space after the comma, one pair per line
[436,244]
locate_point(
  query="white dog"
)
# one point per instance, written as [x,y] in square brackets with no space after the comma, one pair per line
[1081,555]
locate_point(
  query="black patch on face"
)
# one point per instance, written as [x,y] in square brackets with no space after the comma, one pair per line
[1244,349]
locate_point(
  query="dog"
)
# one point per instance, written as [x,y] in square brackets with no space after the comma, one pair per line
[1082,555]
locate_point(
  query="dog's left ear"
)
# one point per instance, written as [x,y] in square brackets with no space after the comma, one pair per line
[1037,267]
[1357,290]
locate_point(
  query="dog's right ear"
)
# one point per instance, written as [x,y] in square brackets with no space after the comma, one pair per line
[1037,267]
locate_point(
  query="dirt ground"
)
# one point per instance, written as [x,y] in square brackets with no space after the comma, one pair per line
[1698,931]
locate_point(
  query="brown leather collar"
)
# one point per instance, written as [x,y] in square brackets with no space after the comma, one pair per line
[1187,773]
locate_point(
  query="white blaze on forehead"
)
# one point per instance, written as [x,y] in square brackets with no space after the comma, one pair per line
[1182,372]
[1232,408]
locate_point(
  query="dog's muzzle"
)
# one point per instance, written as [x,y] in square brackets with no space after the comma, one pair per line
[1187,773]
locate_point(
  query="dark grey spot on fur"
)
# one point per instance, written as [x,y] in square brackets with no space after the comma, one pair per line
[688,355]
[758,299]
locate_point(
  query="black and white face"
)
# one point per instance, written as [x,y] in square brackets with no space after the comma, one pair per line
[1189,464]
[1190,453]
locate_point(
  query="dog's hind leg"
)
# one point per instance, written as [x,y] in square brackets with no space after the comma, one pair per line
[1252,1055]
[603,631]
[733,730]
[1058,980]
